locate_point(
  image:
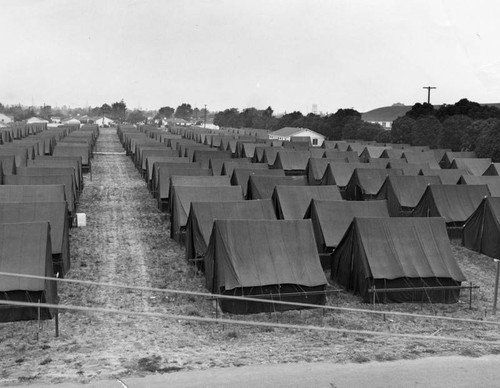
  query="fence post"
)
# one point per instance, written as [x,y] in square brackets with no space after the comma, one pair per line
[496,287]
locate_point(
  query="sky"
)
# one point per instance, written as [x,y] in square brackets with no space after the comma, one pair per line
[287,54]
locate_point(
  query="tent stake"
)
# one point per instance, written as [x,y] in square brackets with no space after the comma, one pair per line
[496,287]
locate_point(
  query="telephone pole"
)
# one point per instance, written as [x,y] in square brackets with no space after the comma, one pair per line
[205,120]
[429,92]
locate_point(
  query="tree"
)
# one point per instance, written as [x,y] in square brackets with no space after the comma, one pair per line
[488,141]
[454,128]
[368,131]
[419,110]
[166,111]
[227,118]
[46,112]
[333,125]
[184,111]
[425,131]
[136,116]
[351,127]
[401,132]
[105,110]
[119,111]
[384,137]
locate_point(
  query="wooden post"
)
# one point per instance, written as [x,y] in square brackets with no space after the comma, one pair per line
[38,331]
[496,287]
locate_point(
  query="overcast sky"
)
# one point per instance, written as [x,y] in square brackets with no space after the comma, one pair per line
[288,54]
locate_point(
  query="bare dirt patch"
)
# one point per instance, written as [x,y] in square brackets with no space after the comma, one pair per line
[126,241]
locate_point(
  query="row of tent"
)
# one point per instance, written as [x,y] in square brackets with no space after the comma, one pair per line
[41,181]
[263,257]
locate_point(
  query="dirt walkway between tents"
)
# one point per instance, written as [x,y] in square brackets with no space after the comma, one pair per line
[126,241]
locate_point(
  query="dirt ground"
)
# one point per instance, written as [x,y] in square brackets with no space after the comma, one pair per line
[126,241]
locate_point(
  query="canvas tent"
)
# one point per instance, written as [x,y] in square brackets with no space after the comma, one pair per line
[25,248]
[473,166]
[292,162]
[202,215]
[493,182]
[404,192]
[291,202]
[241,175]
[264,258]
[482,229]
[53,212]
[411,253]
[262,186]
[448,177]
[183,196]
[366,183]
[331,219]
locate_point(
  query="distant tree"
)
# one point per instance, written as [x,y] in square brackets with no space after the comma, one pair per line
[119,111]
[453,130]
[419,110]
[401,132]
[488,141]
[368,131]
[333,125]
[105,110]
[425,131]
[136,116]
[268,112]
[184,111]
[351,128]
[227,118]
[166,111]
[384,137]
[288,120]
[2,108]
[46,112]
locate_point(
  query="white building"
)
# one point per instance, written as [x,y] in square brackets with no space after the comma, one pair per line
[36,120]
[285,134]
[4,119]
[104,122]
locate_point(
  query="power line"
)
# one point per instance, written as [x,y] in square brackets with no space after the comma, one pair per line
[250,299]
[245,323]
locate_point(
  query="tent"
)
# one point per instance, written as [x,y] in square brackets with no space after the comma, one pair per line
[264,258]
[32,170]
[473,166]
[493,182]
[448,157]
[347,156]
[60,163]
[493,170]
[404,192]
[448,177]
[66,180]
[56,213]
[371,152]
[262,186]
[366,183]
[229,166]
[151,170]
[410,169]
[202,215]
[316,169]
[183,196]
[291,202]
[8,164]
[25,248]
[481,231]
[42,193]
[411,253]
[204,156]
[292,162]
[331,219]
[339,174]
[241,175]
[429,157]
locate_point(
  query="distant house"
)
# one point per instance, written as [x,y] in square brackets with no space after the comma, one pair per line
[385,115]
[72,121]
[104,122]
[4,119]
[56,119]
[286,134]
[33,120]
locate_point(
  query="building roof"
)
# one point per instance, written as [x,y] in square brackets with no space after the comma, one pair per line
[291,131]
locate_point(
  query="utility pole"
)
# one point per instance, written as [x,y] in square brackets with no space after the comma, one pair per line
[429,92]
[205,120]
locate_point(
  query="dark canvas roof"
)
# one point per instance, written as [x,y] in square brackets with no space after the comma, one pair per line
[262,186]
[183,196]
[166,172]
[53,212]
[493,182]
[455,203]
[228,166]
[422,157]
[254,253]
[291,202]
[23,193]
[73,149]
[289,160]
[157,152]
[331,219]
[25,248]
[50,170]
[448,157]
[410,169]
[204,156]
[371,152]
[404,191]
[348,156]
[154,162]
[493,170]
[482,229]
[66,180]
[474,166]
[216,165]
[340,173]
[8,163]
[393,249]
[367,182]
[202,215]
[448,177]
[241,175]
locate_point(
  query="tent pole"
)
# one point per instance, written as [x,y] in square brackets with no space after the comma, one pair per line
[497,261]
